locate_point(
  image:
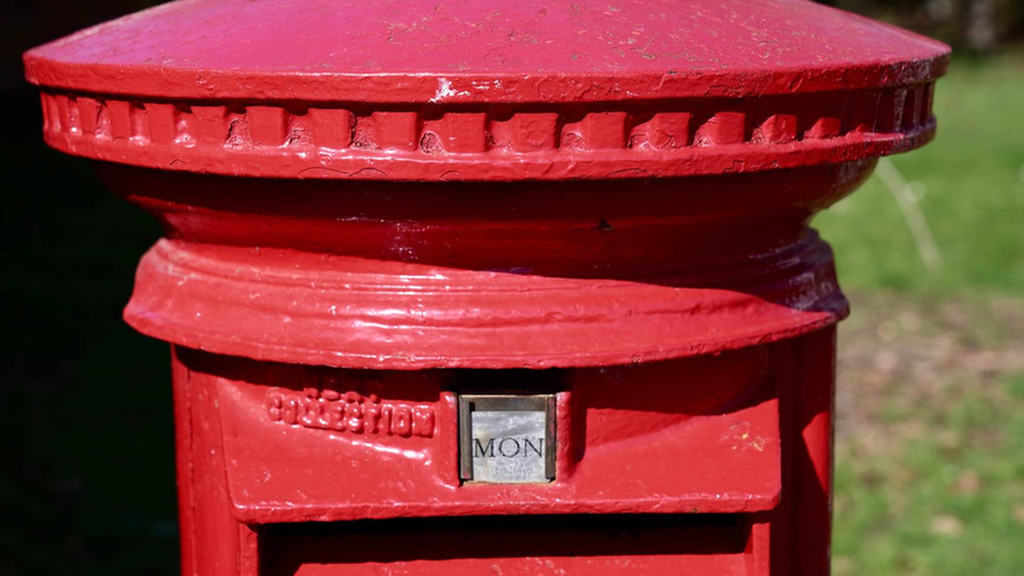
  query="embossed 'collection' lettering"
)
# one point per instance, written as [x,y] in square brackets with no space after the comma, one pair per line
[349,412]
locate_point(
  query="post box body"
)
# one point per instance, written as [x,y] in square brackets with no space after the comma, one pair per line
[465,289]
[682,359]
[656,473]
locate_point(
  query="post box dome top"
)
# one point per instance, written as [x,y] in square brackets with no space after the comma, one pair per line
[532,89]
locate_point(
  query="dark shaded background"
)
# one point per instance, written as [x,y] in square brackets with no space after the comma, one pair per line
[87,483]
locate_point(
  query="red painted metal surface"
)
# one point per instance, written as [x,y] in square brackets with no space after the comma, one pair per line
[371,208]
[546,90]
[475,275]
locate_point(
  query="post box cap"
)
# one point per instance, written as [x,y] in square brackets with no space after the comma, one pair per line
[532,89]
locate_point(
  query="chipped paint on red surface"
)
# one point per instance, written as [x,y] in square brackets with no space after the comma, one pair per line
[463,52]
[373,207]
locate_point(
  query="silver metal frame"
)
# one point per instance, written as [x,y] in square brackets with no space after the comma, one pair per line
[468,403]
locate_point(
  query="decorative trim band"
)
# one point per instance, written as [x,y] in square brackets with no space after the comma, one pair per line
[327,310]
[601,140]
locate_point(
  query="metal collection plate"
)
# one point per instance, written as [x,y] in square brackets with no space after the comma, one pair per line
[507,439]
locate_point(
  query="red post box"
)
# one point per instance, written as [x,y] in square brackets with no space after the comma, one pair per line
[507,288]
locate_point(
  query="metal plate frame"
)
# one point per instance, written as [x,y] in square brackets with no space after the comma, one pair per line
[469,403]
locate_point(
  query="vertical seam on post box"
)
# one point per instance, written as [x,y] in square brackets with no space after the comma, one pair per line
[188,437]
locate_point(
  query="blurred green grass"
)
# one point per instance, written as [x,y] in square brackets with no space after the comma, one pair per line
[973,177]
[930,438]
[947,501]
[930,466]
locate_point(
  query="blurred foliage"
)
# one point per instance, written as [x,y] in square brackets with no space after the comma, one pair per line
[975,25]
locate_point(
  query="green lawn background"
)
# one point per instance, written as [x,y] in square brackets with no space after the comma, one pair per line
[930,466]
